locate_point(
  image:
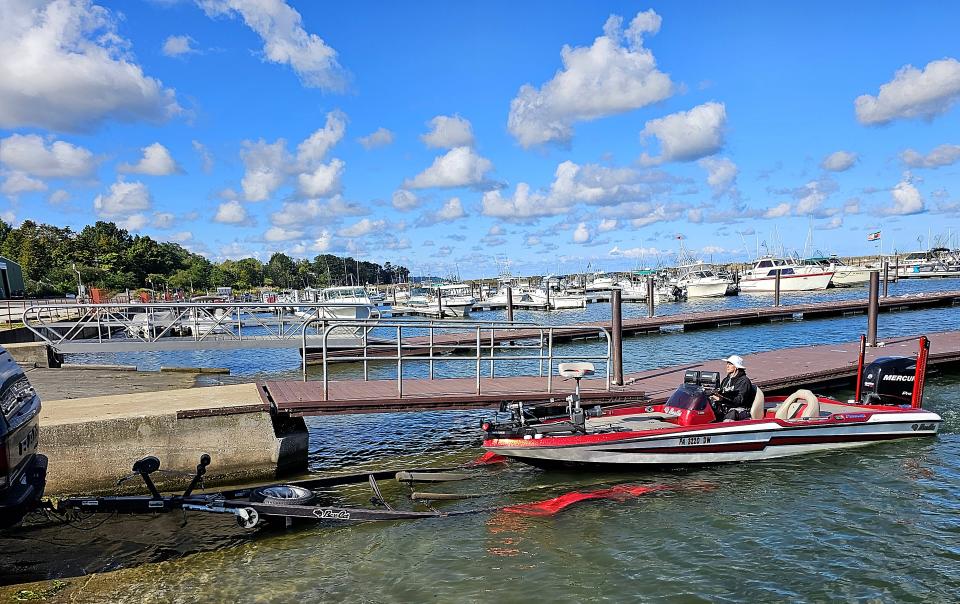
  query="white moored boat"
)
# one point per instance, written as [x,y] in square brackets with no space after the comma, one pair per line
[844,275]
[685,430]
[793,277]
[700,281]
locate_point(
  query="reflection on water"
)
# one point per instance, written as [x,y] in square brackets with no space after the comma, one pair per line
[877,523]
[873,523]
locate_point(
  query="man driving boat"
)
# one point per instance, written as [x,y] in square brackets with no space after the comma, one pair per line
[736,392]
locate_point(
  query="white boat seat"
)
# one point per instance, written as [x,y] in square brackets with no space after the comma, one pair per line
[575,370]
[788,409]
[757,410]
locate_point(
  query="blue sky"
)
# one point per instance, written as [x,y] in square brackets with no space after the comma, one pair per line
[551,134]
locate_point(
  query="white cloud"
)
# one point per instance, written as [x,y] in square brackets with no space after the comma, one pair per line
[231,212]
[206,158]
[31,155]
[912,93]
[315,147]
[134,222]
[687,135]
[581,234]
[721,174]
[180,237]
[533,240]
[381,137]
[838,161]
[404,200]
[275,234]
[459,167]
[811,196]
[943,155]
[156,161]
[64,67]
[322,243]
[607,78]
[606,225]
[522,206]
[285,41]
[18,182]
[495,231]
[177,46]
[852,206]
[163,220]
[363,227]
[834,223]
[451,210]
[777,211]
[266,168]
[124,199]
[447,132]
[633,252]
[906,200]
[324,181]
[314,211]
[59,196]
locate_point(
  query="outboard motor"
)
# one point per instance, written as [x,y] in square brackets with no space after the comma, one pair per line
[894,381]
[888,381]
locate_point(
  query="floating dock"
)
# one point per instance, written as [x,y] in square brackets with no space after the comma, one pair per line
[774,371]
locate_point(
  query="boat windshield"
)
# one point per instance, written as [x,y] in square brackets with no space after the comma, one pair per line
[689,397]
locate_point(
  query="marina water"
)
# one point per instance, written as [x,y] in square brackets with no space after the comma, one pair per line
[876,523]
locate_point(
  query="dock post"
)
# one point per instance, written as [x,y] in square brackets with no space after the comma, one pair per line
[440,303]
[616,322]
[649,295]
[548,294]
[873,308]
[776,289]
[886,278]
[509,304]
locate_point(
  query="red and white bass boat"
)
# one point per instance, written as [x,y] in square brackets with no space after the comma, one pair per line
[685,429]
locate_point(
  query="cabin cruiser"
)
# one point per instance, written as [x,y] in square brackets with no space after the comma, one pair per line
[700,281]
[349,303]
[937,262]
[685,429]
[552,296]
[632,291]
[844,275]
[452,300]
[793,277]
[601,282]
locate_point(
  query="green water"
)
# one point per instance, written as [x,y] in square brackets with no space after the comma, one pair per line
[879,523]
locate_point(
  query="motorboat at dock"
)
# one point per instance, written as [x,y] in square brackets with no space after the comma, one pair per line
[685,430]
[793,277]
[700,281]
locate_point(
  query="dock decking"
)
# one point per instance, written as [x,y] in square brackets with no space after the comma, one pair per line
[776,370]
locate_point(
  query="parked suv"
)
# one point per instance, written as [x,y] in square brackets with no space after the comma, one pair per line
[23,471]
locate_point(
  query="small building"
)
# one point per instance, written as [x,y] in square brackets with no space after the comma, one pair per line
[11,279]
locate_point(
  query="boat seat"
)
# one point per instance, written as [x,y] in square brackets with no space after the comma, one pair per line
[757,410]
[575,370]
[788,409]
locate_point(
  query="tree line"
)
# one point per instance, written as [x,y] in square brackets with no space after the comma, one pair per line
[109,257]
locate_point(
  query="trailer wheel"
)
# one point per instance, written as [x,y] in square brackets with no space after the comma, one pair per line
[248,518]
[284,494]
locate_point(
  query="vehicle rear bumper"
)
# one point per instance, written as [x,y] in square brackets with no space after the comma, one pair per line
[19,499]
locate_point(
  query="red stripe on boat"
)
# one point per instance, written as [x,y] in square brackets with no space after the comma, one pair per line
[486,459]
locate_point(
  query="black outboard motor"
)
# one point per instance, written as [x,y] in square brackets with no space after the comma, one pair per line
[888,381]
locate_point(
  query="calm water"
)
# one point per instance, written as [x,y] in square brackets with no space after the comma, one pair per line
[881,523]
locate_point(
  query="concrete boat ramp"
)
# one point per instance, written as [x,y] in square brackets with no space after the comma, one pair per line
[257,430]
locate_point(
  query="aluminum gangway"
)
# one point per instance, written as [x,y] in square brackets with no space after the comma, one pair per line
[165,326]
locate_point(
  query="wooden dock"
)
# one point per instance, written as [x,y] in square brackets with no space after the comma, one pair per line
[669,323]
[774,371]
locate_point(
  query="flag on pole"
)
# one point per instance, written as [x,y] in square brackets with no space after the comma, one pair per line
[873,236]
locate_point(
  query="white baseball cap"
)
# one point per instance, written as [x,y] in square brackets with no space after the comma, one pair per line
[735,360]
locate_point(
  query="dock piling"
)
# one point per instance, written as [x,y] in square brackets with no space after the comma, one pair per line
[509,304]
[616,323]
[439,303]
[776,290]
[650,295]
[886,278]
[873,308]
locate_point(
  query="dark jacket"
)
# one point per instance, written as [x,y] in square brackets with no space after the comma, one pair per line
[736,391]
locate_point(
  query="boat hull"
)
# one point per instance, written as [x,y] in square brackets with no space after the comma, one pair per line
[718,443]
[706,290]
[788,283]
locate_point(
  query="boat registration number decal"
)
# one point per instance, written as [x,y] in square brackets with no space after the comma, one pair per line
[694,440]
[328,514]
